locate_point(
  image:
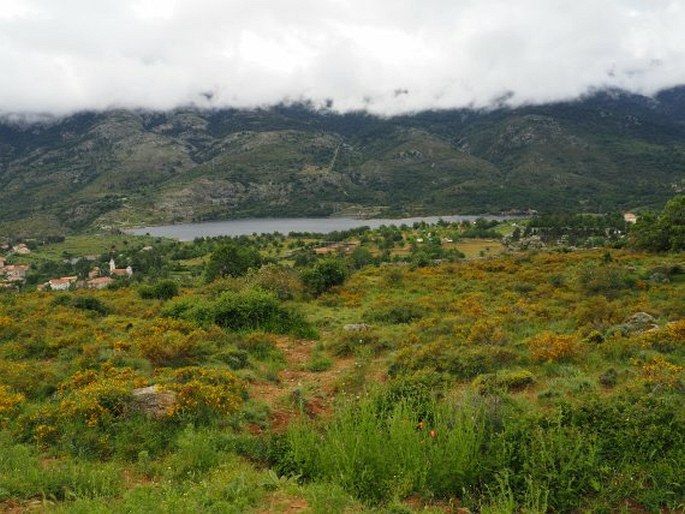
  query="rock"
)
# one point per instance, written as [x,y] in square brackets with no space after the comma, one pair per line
[153,401]
[638,323]
[659,278]
[357,327]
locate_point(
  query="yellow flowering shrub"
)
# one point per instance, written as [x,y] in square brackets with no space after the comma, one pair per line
[204,392]
[486,331]
[98,398]
[171,342]
[8,328]
[667,339]
[9,401]
[660,372]
[548,346]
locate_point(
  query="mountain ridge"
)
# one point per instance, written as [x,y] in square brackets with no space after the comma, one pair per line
[607,151]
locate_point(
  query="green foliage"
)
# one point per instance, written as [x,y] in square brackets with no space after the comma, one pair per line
[377,456]
[324,274]
[24,476]
[395,312]
[242,311]
[162,290]
[401,163]
[599,278]
[662,232]
[90,303]
[504,381]
[232,260]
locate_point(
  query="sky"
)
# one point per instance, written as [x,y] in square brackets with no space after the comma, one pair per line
[385,56]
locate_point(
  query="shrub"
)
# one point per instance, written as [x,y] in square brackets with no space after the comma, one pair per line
[279,280]
[171,342]
[486,331]
[667,339]
[241,311]
[9,402]
[204,393]
[346,343]
[232,260]
[235,359]
[464,362]
[90,303]
[395,312]
[507,381]
[197,310]
[259,344]
[607,279]
[548,346]
[162,290]
[324,274]
[8,328]
[660,373]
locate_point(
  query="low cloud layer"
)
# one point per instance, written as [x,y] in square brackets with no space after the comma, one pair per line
[385,56]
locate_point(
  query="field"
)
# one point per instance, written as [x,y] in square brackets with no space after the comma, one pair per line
[536,381]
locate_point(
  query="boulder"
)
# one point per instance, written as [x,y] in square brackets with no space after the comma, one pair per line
[154,401]
[638,323]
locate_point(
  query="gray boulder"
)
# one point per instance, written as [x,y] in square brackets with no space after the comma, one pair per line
[153,401]
[638,323]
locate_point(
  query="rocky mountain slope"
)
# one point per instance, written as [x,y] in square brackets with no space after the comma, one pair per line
[608,151]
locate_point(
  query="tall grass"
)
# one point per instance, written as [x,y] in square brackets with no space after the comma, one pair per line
[377,455]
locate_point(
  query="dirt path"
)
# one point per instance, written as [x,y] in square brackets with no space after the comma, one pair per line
[297,388]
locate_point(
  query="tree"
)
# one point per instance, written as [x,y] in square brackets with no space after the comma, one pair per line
[232,260]
[663,232]
[324,274]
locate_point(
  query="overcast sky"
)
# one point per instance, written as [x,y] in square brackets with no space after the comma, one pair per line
[387,56]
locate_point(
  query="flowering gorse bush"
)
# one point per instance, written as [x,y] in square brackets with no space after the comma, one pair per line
[9,401]
[548,346]
[659,372]
[203,392]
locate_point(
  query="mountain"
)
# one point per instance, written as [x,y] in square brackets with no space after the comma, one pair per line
[607,151]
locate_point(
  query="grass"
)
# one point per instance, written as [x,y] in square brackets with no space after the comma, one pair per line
[474,248]
[498,356]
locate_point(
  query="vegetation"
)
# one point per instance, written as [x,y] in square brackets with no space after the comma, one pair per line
[664,231]
[359,378]
[607,152]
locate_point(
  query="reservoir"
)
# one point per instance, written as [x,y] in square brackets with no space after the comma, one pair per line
[249,226]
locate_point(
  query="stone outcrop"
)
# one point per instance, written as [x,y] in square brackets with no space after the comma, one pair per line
[153,401]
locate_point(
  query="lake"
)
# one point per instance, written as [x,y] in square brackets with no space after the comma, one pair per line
[243,227]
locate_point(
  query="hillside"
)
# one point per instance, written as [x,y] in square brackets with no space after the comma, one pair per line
[605,152]
[399,377]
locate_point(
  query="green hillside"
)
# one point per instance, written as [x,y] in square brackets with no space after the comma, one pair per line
[606,152]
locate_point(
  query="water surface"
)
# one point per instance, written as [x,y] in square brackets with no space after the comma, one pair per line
[249,226]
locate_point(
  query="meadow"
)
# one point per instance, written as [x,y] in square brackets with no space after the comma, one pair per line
[391,380]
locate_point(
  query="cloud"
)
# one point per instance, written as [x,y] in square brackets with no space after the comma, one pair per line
[61,57]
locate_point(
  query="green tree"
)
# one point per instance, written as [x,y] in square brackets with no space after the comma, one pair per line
[232,260]
[663,232]
[324,274]
[673,223]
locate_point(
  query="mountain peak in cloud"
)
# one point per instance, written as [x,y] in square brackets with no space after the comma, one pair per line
[385,57]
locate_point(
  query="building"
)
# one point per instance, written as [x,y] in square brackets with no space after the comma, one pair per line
[16,270]
[21,249]
[630,217]
[119,272]
[99,282]
[62,284]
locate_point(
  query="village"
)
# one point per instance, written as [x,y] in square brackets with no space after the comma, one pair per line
[13,276]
